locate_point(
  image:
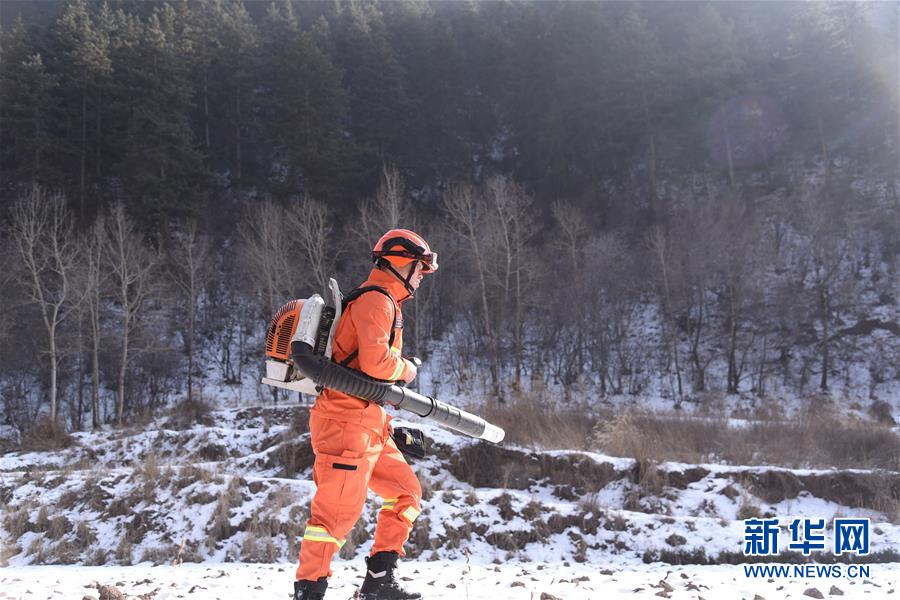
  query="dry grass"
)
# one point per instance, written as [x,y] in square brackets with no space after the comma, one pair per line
[97,558]
[189,413]
[234,491]
[45,435]
[882,412]
[259,550]
[37,550]
[266,525]
[7,551]
[420,538]
[279,497]
[221,528]
[292,455]
[124,552]
[813,440]
[64,552]
[59,526]
[299,422]
[137,527]
[158,555]
[148,469]
[357,536]
[118,508]
[17,524]
[887,500]
[748,509]
[529,420]
[42,522]
[67,500]
[85,534]
[189,474]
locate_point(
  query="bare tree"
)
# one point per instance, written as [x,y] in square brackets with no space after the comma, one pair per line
[95,275]
[42,231]
[738,273]
[467,222]
[660,247]
[571,224]
[611,292]
[266,242]
[826,226]
[389,209]
[514,228]
[494,225]
[188,269]
[311,225]
[132,263]
[279,247]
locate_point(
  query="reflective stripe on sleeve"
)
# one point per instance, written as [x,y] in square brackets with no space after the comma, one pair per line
[389,504]
[401,364]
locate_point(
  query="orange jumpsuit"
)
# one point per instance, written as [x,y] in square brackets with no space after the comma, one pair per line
[350,438]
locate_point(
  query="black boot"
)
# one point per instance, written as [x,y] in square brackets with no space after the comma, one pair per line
[381,580]
[310,590]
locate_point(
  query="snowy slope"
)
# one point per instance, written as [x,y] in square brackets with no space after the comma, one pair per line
[493,516]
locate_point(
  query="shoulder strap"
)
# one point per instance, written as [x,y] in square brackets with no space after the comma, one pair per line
[353,295]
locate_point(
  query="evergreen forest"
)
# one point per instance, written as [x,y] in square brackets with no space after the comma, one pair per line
[632,200]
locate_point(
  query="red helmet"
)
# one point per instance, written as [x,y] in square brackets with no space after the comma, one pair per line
[400,247]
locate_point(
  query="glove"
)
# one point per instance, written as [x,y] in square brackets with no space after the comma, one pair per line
[410,372]
[411,442]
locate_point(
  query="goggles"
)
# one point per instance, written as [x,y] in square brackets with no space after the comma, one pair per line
[410,250]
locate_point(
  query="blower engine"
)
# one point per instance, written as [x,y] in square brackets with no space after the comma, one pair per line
[298,350]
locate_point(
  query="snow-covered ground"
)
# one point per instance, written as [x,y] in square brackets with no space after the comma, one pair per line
[497,521]
[450,580]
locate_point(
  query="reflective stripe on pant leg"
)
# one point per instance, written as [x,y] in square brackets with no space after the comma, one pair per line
[345,455]
[315,533]
[394,480]
[410,514]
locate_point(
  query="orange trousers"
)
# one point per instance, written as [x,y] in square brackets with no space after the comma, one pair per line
[351,458]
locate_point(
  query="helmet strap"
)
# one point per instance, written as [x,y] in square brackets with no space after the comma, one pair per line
[404,280]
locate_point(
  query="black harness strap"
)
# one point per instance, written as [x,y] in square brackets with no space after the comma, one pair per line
[353,295]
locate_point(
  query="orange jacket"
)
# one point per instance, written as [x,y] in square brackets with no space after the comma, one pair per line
[366,326]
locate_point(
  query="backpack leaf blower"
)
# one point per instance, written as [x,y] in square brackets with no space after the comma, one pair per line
[299,347]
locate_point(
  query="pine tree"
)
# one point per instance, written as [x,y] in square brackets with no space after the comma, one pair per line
[161,165]
[374,81]
[239,39]
[86,48]
[26,107]
[305,106]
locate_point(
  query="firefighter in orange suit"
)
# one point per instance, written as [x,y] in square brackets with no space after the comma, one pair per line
[351,438]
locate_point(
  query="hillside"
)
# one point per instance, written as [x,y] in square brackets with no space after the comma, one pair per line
[237,490]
